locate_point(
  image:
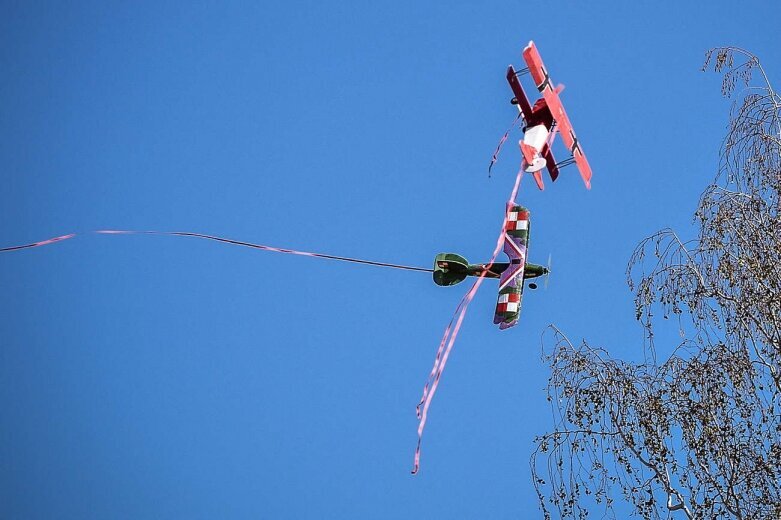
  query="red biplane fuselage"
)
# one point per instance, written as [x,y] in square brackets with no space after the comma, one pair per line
[543,120]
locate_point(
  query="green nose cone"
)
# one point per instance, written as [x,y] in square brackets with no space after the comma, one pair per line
[449,269]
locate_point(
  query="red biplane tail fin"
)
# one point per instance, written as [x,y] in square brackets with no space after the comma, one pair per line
[538,179]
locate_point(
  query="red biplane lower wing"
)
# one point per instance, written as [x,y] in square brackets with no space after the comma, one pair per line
[545,85]
[516,241]
[550,163]
[520,96]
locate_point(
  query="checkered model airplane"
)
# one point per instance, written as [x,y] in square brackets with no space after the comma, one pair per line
[450,268]
[543,120]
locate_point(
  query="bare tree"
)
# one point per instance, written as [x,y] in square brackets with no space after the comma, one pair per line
[697,435]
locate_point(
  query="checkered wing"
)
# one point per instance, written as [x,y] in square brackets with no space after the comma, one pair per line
[516,241]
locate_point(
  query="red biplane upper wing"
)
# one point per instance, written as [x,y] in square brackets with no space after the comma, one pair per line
[549,92]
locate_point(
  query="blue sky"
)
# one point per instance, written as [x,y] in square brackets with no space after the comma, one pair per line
[159,377]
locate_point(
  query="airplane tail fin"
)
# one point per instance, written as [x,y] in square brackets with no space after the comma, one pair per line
[449,269]
[538,179]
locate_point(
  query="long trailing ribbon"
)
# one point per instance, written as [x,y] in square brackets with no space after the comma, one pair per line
[227,241]
[451,333]
[38,244]
[495,156]
[264,248]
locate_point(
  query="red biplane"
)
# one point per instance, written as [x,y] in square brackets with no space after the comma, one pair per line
[543,120]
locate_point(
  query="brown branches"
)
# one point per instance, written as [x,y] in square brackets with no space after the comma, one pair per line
[698,435]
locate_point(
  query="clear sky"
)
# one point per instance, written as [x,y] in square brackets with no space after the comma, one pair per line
[160,377]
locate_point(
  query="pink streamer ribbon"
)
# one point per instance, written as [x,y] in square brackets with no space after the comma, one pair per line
[451,333]
[495,156]
[448,338]
[263,247]
[227,241]
[38,244]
